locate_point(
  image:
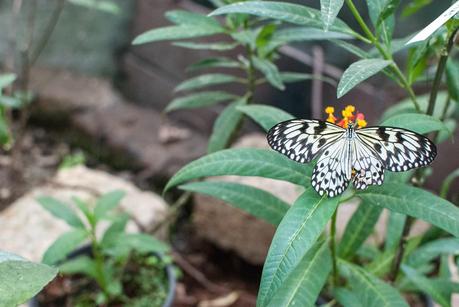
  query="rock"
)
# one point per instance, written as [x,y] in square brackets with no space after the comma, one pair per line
[233,229]
[126,135]
[28,230]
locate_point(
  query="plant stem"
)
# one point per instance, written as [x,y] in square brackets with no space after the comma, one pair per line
[386,55]
[333,246]
[401,249]
[99,262]
[439,74]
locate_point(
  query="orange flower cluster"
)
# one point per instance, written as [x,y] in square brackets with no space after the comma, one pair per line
[348,116]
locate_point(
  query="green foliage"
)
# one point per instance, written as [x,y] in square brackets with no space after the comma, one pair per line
[111,252]
[359,72]
[299,263]
[257,202]
[20,279]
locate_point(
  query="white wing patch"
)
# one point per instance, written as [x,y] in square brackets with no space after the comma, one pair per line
[369,169]
[399,149]
[333,171]
[301,140]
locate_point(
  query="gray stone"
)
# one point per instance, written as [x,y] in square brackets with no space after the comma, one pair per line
[28,229]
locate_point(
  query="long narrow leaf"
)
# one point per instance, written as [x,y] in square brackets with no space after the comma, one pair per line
[174,32]
[415,202]
[288,12]
[244,162]
[359,72]
[303,285]
[199,100]
[257,202]
[329,10]
[204,81]
[265,116]
[358,229]
[225,126]
[371,291]
[296,234]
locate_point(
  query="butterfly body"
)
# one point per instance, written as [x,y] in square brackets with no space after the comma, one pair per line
[350,154]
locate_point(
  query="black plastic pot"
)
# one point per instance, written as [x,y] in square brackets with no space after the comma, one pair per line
[172,282]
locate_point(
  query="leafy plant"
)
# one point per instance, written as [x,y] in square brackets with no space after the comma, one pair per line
[20,279]
[303,262]
[253,44]
[113,252]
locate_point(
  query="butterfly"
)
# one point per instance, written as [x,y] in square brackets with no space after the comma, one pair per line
[350,154]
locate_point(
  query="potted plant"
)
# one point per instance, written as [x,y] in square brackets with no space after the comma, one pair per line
[116,268]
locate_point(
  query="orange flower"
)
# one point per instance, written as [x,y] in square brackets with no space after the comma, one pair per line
[348,117]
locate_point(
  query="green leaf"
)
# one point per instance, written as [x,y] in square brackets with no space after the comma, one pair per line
[175,32]
[259,203]
[144,243]
[414,6]
[205,80]
[329,10]
[225,127]
[4,129]
[415,202]
[303,34]
[270,71]
[61,211]
[351,48]
[359,72]
[452,78]
[389,9]
[244,162]
[10,102]
[444,135]
[79,265]
[370,290]
[198,100]
[358,229]
[265,116]
[395,226]
[107,202]
[20,280]
[384,26]
[289,77]
[406,106]
[303,284]
[431,250]
[296,234]
[111,235]
[220,62]
[65,244]
[217,46]
[447,183]
[6,79]
[191,19]
[346,298]
[100,5]
[426,285]
[288,12]
[84,208]
[420,123]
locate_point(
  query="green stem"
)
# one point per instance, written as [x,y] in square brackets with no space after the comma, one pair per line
[439,74]
[333,246]
[99,261]
[386,55]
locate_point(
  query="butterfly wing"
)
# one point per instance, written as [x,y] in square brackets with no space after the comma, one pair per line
[399,149]
[333,170]
[302,139]
[369,169]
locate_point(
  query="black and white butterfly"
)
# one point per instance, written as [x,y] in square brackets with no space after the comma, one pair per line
[360,155]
